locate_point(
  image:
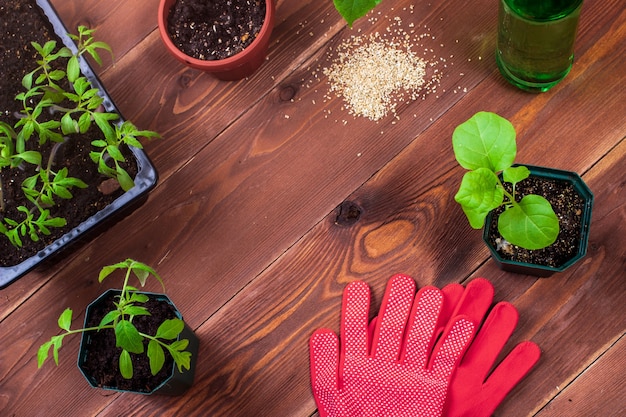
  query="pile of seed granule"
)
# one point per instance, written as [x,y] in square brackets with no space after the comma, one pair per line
[373,75]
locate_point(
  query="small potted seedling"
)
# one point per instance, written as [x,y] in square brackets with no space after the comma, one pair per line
[64,142]
[529,227]
[142,333]
[227,39]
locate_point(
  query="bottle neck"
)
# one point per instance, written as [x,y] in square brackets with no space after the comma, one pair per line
[543,9]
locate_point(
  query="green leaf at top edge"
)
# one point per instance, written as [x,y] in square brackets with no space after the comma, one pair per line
[530,224]
[351,10]
[485,140]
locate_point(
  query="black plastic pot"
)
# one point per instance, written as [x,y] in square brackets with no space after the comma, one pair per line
[145,180]
[176,383]
[541,270]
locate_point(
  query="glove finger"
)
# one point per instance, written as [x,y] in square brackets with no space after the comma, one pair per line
[392,318]
[424,317]
[509,373]
[324,365]
[452,294]
[454,343]
[354,314]
[490,340]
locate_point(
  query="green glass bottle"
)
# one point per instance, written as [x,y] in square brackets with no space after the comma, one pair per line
[535,46]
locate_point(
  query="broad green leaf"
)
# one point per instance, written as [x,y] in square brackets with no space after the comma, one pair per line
[486,140]
[170,329]
[65,319]
[126,365]
[127,337]
[530,224]
[478,194]
[156,356]
[515,174]
[351,10]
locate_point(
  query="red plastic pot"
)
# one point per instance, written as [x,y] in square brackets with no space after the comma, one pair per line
[236,67]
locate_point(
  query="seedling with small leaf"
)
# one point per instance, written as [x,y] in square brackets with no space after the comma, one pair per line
[56,86]
[485,145]
[128,338]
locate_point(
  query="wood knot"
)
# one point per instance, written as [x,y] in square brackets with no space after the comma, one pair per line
[185,79]
[348,213]
[287,93]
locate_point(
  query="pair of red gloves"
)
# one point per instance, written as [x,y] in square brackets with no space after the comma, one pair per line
[425,355]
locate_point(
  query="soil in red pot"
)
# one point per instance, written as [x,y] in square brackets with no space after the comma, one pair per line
[210,30]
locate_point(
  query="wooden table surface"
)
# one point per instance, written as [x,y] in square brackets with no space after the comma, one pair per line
[243,225]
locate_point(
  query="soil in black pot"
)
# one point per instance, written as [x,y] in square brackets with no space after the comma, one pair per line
[568,206]
[22,21]
[102,361]
[211,29]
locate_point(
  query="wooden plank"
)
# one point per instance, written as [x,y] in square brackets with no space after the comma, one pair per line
[599,390]
[212,230]
[258,361]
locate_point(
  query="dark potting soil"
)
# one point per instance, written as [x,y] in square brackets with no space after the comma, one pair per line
[210,30]
[568,206]
[21,22]
[102,360]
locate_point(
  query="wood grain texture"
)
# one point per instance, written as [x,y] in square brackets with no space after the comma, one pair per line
[243,223]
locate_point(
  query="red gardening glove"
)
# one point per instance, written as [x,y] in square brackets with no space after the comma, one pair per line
[398,373]
[476,393]
[471,393]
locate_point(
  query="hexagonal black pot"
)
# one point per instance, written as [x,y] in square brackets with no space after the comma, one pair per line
[542,270]
[176,383]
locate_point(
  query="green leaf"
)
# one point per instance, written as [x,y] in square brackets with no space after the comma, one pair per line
[127,337]
[109,269]
[486,140]
[43,352]
[156,356]
[515,174]
[73,69]
[136,311]
[65,319]
[110,317]
[182,359]
[170,329]
[142,271]
[478,194]
[530,224]
[126,365]
[126,182]
[351,10]
[32,157]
